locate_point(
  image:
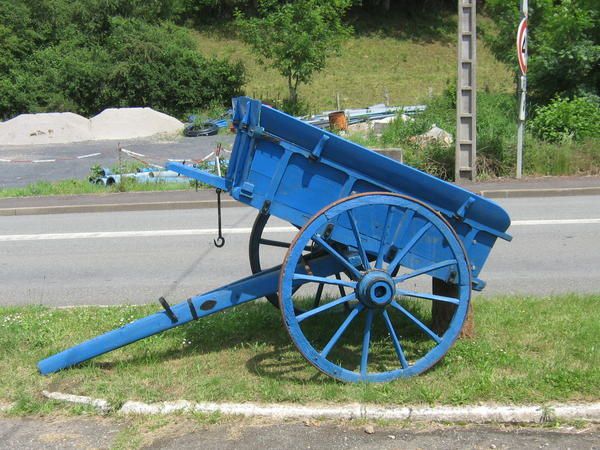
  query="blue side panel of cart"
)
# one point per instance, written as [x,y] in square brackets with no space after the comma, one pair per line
[291,169]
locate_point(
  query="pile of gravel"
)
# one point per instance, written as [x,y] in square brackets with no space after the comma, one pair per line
[110,124]
[46,128]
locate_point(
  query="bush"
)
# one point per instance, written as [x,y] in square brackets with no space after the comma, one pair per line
[85,65]
[563,42]
[159,66]
[564,119]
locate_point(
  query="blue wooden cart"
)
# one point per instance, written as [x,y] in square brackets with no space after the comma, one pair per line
[374,235]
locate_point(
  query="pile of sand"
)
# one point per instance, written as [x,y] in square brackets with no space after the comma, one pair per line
[63,128]
[46,128]
[132,123]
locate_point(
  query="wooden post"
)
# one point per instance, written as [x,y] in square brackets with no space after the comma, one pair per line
[441,312]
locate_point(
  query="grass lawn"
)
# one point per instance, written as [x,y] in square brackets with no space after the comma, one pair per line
[526,350]
[369,66]
[74,187]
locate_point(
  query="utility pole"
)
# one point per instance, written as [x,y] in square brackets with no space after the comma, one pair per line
[466,93]
[522,57]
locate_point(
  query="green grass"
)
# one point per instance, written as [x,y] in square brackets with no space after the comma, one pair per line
[562,158]
[370,64]
[526,350]
[74,187]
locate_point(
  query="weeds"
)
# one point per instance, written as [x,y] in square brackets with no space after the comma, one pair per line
[496,142]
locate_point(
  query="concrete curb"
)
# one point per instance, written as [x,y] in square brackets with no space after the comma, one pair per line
[100,404]
[227,203]
[524,193]
[464,414]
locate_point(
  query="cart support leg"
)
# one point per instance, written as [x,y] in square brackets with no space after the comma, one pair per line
[237,293]
[441,312]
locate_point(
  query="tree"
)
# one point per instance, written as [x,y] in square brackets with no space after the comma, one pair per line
[564,45]
[88,55]
[296,38]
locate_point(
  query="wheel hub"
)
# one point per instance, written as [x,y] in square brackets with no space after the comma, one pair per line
[375,289]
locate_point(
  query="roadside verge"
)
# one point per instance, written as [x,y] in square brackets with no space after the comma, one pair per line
[189,199]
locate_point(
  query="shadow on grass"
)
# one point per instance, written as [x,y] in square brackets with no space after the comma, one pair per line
[421,24]
[256,330]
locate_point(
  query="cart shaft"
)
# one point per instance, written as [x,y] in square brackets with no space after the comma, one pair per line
[237,293]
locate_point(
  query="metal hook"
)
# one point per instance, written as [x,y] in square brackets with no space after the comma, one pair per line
[220,241]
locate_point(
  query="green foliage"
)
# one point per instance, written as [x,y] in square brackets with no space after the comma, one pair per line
[296,38]
[85,56]
[562,158]
[160,66]
[496,134]
[563,43]
[564,119]
[496,137]
[433,158]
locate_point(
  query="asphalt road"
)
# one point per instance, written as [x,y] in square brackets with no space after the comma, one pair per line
[182,432]
[53,263]
[70,163]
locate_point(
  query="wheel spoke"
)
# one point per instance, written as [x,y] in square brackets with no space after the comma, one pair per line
[394,264]
[323,280]
[425,269]
[273,243]
[379,262]
[395,340]
[325,307]
[359,245]
[317,301]
[438,298]
[364,359]
[333,252]
[420,324]
[338,334]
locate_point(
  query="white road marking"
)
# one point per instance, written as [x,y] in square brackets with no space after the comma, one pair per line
[210,231]
[556,222]
[88,156]
[129,234]
[43,160]
[129,152]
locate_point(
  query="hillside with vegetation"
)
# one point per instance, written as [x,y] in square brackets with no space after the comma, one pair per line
[184,56]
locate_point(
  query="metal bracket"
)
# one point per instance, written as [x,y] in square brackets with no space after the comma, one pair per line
[478,284]
[256,131]
[247,190]
[462,211]
[168,310]
[316,152]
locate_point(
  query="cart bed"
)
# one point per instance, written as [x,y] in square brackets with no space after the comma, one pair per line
[291,169]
